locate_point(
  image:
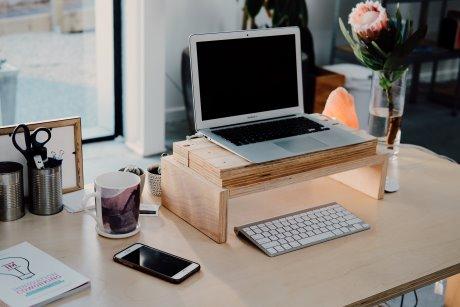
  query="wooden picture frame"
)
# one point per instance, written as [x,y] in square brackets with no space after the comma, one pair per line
[64,132]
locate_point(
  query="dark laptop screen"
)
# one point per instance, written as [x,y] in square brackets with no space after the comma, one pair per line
[250,75]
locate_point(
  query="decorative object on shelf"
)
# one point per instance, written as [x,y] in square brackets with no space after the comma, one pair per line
[8,86]
[383,44]
[136,171]
[154,178]
[12,205]
[340,105]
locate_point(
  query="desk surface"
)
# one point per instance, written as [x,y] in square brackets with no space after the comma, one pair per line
[414,240]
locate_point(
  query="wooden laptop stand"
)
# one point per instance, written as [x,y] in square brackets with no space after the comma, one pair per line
[200,177]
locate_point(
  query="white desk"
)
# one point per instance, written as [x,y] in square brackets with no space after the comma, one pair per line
[414,241]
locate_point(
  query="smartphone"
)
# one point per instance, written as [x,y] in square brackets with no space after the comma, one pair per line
[157,263]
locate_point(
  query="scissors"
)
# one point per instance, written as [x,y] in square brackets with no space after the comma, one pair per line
[33,146]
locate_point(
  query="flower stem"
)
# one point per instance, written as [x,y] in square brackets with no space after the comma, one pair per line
[394,121]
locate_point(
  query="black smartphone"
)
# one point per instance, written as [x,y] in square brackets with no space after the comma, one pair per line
[157,263]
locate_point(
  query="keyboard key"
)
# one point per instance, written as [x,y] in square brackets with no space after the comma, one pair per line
[270,244]
[279,248]
[337,232]
[257,236]
[354,221]
[287,246]
[316,238]
[294,244]
[263,240]
[271,250]
[282,241]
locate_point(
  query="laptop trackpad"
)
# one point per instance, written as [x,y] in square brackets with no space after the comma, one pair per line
[300,145]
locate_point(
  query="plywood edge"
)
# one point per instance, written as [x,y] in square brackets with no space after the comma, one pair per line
[199,202]
[236,191]
[408,286]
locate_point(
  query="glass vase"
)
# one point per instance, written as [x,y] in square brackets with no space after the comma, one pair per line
[386,109]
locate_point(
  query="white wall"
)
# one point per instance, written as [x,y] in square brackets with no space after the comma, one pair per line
[184,17]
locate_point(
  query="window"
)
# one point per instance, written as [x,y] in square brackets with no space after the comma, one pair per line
[60,63]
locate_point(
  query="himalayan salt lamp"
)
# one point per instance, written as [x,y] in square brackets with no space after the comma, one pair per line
[340,105]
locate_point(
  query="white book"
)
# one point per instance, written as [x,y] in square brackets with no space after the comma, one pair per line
[30,277]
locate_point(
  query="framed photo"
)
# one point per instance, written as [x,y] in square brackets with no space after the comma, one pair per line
[65,138]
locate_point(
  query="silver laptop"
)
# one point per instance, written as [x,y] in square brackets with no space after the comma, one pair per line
[247,93]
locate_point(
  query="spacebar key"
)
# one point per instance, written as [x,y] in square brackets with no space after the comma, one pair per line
[316,239]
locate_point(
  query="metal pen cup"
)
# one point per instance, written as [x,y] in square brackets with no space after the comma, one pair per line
[11,191]
[45,190]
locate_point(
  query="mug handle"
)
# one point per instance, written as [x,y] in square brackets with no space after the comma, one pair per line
[84,205]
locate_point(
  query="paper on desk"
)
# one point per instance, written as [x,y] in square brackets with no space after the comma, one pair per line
[73,203]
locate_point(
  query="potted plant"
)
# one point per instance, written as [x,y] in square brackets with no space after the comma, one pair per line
[383,43]
[8,85]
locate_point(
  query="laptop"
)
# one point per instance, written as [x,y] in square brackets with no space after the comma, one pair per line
[247,96]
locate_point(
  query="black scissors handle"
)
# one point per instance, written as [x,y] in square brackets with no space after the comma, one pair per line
[27,140]
[37,144]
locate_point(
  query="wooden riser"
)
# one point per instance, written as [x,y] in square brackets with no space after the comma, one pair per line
[203,204]
[226,169]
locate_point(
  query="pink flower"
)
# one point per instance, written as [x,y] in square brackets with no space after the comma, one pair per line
[367,19]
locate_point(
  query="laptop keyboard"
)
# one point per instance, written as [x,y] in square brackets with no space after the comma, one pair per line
[267,131]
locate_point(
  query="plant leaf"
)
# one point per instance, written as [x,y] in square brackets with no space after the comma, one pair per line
[374,44]
[412,41]
[346,34]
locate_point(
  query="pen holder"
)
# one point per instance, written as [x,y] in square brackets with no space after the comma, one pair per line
[46,190]
[11,191]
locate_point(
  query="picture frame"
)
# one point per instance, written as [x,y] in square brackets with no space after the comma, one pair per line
[66,135]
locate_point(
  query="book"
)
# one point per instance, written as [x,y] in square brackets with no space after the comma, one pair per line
[30,277]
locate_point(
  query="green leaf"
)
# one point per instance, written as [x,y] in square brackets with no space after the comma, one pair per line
[412,41]
[399,24]
[374,44]
[346,34]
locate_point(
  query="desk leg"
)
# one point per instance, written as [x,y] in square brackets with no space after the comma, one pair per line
[452,295]
[199,202]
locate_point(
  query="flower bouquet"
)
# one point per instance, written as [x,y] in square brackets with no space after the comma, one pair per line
[383,44]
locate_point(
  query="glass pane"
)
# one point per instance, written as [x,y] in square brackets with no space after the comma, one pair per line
[59,62]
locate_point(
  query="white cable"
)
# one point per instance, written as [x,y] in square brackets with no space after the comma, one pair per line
[193,136]
[424,149]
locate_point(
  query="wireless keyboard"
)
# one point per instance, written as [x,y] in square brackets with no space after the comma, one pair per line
[286,233]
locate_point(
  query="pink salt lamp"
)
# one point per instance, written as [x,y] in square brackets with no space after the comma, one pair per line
[340,105]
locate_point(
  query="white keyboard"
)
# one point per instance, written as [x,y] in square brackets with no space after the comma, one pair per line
[286,233]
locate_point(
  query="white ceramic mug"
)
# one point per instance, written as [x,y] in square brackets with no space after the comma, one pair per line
[117,198]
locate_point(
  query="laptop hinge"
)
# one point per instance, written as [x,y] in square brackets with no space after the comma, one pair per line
[255,121]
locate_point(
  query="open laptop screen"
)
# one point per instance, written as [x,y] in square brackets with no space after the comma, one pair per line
[247,75]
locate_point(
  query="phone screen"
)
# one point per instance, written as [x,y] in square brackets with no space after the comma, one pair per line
[157,261]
